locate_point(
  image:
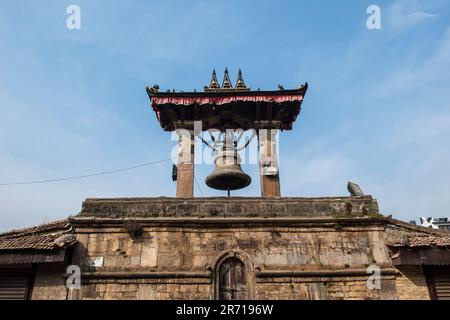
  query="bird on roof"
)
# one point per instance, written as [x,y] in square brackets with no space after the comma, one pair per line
[280,87]
[154,89]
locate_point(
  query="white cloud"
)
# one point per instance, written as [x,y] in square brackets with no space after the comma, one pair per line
[404,15]
[419,74]
[420,181]
[403,155]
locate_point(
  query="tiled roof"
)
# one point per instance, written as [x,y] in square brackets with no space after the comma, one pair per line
[43,237]
[423,241]
[407,235]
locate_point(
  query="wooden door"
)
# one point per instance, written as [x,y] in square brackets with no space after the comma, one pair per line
[232,280]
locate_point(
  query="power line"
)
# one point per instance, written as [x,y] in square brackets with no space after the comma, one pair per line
[86,175]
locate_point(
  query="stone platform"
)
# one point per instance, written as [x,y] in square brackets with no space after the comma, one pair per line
[331,207]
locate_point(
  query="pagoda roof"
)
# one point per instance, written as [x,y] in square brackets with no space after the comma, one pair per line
[226,107]
[301,90]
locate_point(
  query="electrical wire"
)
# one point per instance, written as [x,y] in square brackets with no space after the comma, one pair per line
[86,175]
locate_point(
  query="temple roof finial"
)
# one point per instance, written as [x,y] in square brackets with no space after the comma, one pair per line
[214,84]
[226,84]
[240,84]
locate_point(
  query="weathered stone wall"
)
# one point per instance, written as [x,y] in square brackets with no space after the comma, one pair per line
[49,283]
[195,249]
[411,283]
[230,207]
[292,248]
[343,288]
[145,291]
[327,262]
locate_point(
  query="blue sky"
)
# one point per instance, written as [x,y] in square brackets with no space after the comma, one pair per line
[74,102]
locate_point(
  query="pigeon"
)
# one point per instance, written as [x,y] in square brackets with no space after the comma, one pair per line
[280,87]
[155,88]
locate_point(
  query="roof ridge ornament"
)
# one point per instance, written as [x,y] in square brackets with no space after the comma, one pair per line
[226,84]
[214,84]
[240,84]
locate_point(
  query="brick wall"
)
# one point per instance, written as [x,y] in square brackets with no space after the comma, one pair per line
[344,288]
[140,291]
[49,283]
[150,266]
[411,284]
[292,248]
[163,249]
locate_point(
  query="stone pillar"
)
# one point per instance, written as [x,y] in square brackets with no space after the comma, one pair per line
[268,163]
[185,174]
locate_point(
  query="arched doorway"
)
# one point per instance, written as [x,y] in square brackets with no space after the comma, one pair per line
[232,280]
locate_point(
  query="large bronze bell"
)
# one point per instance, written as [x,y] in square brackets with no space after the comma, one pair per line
[228,174]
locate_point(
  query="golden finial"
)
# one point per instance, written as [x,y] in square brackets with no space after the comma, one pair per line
[240,84]
[213,84]
[226,84]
